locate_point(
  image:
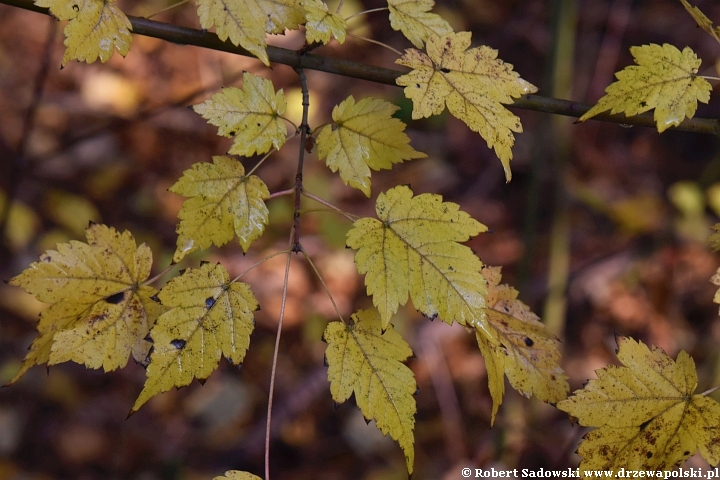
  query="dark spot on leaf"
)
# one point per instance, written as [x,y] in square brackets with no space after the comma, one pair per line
[116,298]
[76,8]
[178,343]
[232,133]
[529,342]
[417,85]
[644,425]
[445,70]
[686,452]
[258,124]
[648,454]
[209,302]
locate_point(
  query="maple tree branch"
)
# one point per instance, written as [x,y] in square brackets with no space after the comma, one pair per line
[304,129]
[371,73]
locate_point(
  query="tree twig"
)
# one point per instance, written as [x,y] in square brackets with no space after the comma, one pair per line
[361,71]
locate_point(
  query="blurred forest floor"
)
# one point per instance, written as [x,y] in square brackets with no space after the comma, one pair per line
[108,140]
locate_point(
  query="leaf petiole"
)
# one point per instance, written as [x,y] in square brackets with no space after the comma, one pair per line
[156,277]
[258,263]
[384,45]
[181,2]
[372,10]
[322,282]
[311,196]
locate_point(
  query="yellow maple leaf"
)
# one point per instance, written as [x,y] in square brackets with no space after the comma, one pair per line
[414,19]
[242,21]
[412,248]
[664,79]
[702,20]
[96,28]
[714,238]
[100,313]
[321,24]
[237,475]
[209,317]
[223,202]
[365,136]
[474,84]
[646,413]
[282,14]
[366,359]
[526,352]
[251,114]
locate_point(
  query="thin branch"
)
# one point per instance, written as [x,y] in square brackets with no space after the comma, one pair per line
[156,277]
[361,71]
[174,5]
[258,263]
[273,371]
[349,216]
[370,40]
[252,170]
[322,282]
[304,132]
[365,12]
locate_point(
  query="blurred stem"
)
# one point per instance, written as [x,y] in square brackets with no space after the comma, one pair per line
[311,196]
[174,5]
[365,12]
[565,23]
[384,45]
[322,282]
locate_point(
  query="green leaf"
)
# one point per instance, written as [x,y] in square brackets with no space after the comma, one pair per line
[412,248]
[365,136]
[365,360]
[223,202]
[209,317]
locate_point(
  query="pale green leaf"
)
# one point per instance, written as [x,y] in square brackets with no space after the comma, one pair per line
[366,360]
[223,202]
[365,136]
[414,19]
[412,249]
[664,79]
[208,317]
[251,114]
[473,83]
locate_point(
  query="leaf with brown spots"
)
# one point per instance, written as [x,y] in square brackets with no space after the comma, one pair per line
[646,413]
[100,312]
[525,350]
[473,83]
[210,316]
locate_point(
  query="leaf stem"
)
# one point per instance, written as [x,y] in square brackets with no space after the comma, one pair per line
[291,123]
[311,196]
[181,2]
[273,370]
[385,45]
[252,170]
[281,193]
[708,392]
[364,12]
[322,282]
[258,263]
[706,77]
[156,277]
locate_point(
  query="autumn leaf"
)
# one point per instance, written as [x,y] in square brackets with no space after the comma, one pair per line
[251,114]
[365,136]
[664,79]
[366,359]
[414,19]
[474,84]
[96,28]
[282,14]
[223,202]
[412,248]
[237,475]
[242,21]
[100,313]
[526,352]
[646,415]
[702,20]
[321,24]
[208,317]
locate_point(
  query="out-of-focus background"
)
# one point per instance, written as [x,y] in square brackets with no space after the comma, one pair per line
[603,230]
